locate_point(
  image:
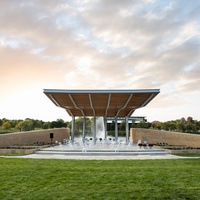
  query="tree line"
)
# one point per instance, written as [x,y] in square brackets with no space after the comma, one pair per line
[28,124]
[184,125]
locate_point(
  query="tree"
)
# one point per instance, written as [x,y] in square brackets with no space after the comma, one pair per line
[59,123]
[26,125]
[37,123]
[6,125]
[69,125]
[133,125]
[190,120]
[188,128]
[156,125]
[88,124]
[122,126]
[112,126]
[46,125]
[79,125]
[4,120]
[181,125]
[194,128]
[141,124]
[172,126]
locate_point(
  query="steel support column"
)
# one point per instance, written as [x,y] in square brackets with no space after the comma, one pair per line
[127,130]
[95,130]
[105,128]
[72,129]
[116,130]
[83,134]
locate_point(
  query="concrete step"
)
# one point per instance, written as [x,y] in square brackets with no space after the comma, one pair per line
[51,149]
[101,152]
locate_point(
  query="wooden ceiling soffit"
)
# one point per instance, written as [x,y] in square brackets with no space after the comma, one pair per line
[112,103]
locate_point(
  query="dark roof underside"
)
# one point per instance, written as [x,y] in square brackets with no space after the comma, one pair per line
[107,103]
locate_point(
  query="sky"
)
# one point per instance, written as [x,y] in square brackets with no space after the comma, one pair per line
[99,44]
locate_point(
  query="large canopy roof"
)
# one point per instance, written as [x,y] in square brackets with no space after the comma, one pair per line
[107,103]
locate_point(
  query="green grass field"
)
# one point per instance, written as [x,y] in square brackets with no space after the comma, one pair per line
[25,179]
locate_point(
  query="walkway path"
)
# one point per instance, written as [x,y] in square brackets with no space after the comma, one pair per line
[142,157]
[100,152]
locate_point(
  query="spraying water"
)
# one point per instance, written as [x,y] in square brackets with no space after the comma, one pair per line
[100,128]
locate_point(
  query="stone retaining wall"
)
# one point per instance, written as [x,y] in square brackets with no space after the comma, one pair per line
[172,138]
[30,137]
[17,151]
[186,151]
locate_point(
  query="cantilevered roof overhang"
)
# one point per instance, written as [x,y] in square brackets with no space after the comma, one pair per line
[106,103]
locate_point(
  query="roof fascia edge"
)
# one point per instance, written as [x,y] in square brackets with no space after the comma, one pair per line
[101,91]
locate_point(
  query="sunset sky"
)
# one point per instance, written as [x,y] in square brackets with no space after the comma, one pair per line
[99,44]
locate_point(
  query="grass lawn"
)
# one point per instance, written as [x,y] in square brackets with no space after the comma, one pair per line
[25,179]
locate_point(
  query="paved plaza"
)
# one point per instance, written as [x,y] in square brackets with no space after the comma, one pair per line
[100,151]
[75,157]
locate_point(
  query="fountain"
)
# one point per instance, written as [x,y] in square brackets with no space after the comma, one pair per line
[104,145]
[100,128]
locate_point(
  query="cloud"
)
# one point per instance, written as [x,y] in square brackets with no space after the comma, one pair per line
[101,45]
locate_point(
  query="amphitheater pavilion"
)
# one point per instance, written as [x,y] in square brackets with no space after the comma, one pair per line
[101,103]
